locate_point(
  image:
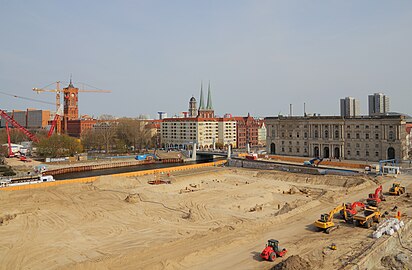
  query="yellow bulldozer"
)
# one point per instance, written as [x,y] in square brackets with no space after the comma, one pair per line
[397,189]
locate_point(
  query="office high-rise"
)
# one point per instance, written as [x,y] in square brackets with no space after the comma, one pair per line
[349,107]
[378,104]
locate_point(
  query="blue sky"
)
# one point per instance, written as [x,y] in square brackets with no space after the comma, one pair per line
[260,56]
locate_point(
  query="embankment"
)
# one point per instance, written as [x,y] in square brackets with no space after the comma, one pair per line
[371,257]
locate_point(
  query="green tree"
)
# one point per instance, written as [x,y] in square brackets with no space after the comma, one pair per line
[58,146]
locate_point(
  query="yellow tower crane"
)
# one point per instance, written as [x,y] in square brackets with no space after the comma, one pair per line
[57,90]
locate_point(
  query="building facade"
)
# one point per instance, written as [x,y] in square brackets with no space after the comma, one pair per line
[262,133]
[360,138]
[182,133]
[227,132]
[30,118]
[378,104]
[76,128]
[349,107]
[247,131]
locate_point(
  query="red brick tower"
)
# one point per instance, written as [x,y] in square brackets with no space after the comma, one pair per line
[71,106]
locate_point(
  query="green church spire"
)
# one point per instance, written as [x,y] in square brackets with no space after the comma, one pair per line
[202,102]
[209,99]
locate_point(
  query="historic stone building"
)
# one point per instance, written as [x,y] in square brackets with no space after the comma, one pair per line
[359,138]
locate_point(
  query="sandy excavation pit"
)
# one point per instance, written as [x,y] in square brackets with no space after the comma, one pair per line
[125,223]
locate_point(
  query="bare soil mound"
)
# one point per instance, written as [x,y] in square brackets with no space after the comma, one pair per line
[287,207]
[7,217]
[132,198]
[294,262]
[399,261]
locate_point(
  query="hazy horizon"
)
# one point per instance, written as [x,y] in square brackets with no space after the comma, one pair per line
[260,56]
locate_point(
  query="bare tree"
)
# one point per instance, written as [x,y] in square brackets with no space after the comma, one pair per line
[107,131]
[134,133]
[107,117]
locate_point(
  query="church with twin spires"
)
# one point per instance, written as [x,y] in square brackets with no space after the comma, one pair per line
[203,111]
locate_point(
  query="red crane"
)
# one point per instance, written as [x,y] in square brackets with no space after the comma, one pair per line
[59,112]
[11,154]
[17,125]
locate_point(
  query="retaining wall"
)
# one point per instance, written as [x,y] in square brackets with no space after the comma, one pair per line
[129,174]
[109,166]
[265,165]
[325,162]
[97,167]
[170,169]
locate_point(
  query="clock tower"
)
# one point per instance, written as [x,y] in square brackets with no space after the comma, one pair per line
[71,106]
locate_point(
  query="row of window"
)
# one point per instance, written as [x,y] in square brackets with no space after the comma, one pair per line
[305,150]
[327,126]
[391,135]
[366,153]
[358,145]
[297,143]
[180,138]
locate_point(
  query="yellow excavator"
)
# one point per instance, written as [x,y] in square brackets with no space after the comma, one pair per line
[326,224]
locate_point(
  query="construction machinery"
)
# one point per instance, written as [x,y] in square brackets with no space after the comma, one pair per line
[325,223]
[146,157]
[272,251]
[375,198]
[397,189]
[367,217]
[56,119]
[351,210]
[312,161]
[251,156]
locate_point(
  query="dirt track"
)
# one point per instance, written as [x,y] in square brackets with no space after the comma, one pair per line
[223,224]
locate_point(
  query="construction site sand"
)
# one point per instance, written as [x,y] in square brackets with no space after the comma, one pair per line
[223,223]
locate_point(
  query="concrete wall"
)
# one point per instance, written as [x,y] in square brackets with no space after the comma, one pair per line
[240,163]
[263,165]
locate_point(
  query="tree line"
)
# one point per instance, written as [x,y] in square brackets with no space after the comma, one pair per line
[109,135]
